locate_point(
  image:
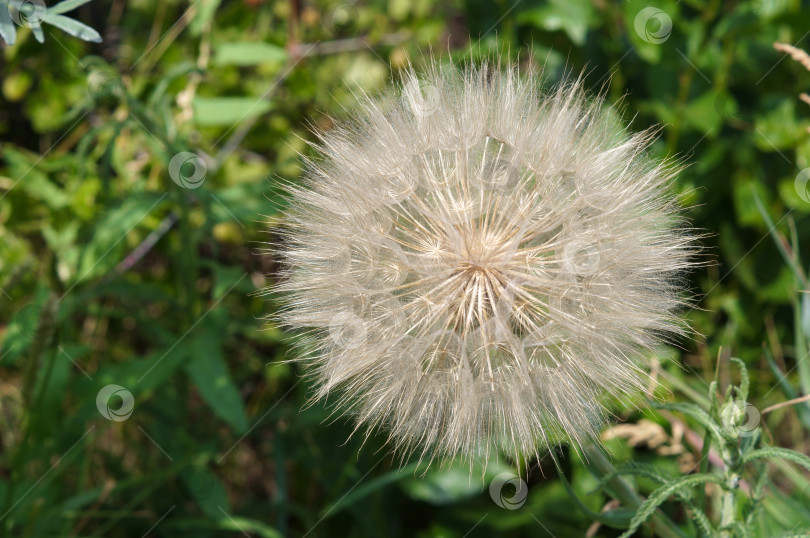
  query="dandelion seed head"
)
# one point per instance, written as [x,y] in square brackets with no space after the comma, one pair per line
[482,265]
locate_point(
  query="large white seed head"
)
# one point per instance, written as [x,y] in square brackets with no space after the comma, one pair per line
[482,265]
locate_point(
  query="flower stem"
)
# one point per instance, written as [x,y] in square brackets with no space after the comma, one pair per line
[600,466]
[728,507]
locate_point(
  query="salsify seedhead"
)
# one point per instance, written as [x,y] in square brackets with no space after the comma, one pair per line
[482,265]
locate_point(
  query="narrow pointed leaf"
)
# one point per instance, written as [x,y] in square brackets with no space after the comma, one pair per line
[7,30]
[72,27]
[778,452]
[648,507]
[66,5]
[617,519]
[209,371]
[38,34]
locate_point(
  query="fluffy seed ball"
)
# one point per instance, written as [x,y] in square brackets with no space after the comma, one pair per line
[481,265]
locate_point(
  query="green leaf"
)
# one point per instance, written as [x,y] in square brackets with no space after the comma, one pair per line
[205,14]
[649,506]
[227,279]
[744,380]
[42,188]
[802,360]
[786,387]
[795,533]
[701,518]
[791,261]
[52,383]
[618,519]
[243,524]
[180,70]
[72,27]
[43,486]
[66,5]
[243,202]
[652,472]
[104,249]
[698,414]
[22,327]
[209,372]
[247,53]
[779,129]
[225,522]
[206,489]
[785,510]
[360,492]
[637,469]
[88,496]
[574,17]
[227,111]
[38,34]
[23,167]
[141,375]
[453,483]
[7,30]
[778,452]
[702,114]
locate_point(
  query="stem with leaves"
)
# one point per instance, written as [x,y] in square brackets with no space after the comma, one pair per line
[601,467]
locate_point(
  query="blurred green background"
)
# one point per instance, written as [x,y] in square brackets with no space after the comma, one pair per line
[141,170]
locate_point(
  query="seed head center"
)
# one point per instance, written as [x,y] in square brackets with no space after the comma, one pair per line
[480,276]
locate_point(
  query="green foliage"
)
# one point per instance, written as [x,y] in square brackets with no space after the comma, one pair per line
[32,13]
[120,266]
[738,445]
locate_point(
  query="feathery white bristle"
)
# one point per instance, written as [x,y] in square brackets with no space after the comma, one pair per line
[482,265]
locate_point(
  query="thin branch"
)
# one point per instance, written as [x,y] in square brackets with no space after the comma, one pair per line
[345,45]
[785,404]
[795,53]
